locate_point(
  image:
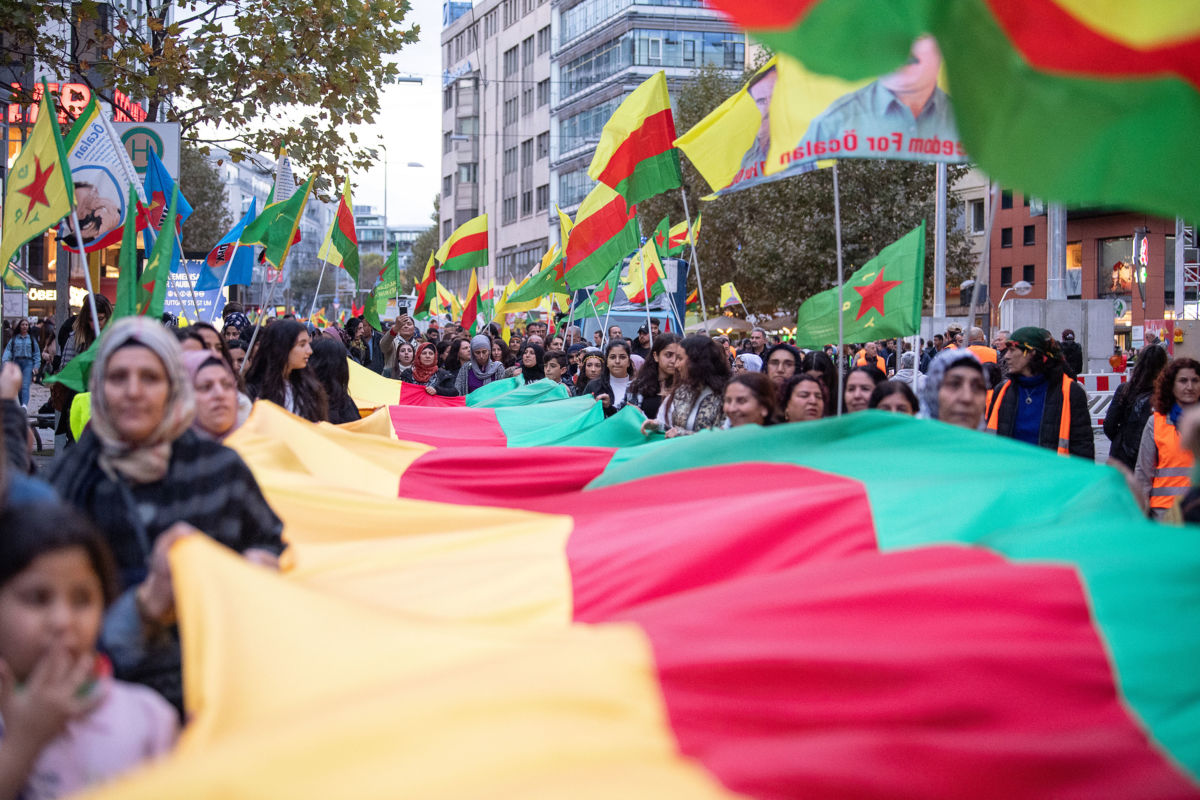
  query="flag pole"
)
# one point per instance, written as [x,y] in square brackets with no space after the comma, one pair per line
[695,261]
[228,266]
[87,273]
[317,290]
[262,314]
[837,230]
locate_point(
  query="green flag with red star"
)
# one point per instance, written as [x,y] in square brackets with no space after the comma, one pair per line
[601,297]
[880,300]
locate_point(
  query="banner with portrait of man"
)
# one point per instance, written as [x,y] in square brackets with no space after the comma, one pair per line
[787,120]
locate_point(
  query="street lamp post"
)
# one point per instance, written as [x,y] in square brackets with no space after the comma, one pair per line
[1020,288]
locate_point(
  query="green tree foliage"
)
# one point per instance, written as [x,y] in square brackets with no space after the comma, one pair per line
[248,75]
[210,219]
[777,242]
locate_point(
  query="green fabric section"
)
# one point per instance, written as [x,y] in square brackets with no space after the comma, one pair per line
[1075,140]
[276,226]
[484,394]
[523,394]
[472,260]
[933,483]
[652,176]
[152,289]
[76,373]
[894,279]
[623,429]
[544,283]
[585,418]
[534,420]
[126,305]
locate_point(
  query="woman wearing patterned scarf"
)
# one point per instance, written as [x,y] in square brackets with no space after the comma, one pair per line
[137,472]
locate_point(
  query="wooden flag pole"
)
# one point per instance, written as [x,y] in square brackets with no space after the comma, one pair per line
[695,260]
[837,230]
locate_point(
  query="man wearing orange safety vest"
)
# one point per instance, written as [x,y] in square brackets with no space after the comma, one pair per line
[1039,404]
[869,356]
[978,345]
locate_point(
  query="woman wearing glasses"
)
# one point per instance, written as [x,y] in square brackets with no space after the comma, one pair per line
[1039,403]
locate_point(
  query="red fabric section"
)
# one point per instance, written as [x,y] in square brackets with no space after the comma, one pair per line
[534,478]
[938,672]
[1052,39]
[654,136]
[652,538]
[469,243]
[764,14]
[413,395]
[470,312]
[345,222]
[472,426]
[592,232]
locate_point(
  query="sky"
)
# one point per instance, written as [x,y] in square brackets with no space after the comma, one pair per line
[410,126]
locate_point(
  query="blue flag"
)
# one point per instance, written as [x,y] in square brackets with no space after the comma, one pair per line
[159,186]
[241,272]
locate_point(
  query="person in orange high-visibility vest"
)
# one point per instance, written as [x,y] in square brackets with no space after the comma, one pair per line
[869,357]
[1039,403]
[978,345]
[1164,465]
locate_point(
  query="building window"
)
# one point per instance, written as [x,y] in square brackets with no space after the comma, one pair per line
[526,102]
[543,93]
[1025,200]
[1027,273]
[510,112]
[587,16]
[467,125]
[1030,236]
[447,228]
[543,197]
[543,40]
[667,48]
[511,62]
[510,161]
[448,98]
[573,187]
[468,173]
[978,220]
[1006,198]
[526,203]
[446,143]
[527,51]
[527,153]
[1074,269]
[543,145]
[447,182]
[583,129]
[1006,237]
[1006,276]
[508,211]
[491,23]
[511,13]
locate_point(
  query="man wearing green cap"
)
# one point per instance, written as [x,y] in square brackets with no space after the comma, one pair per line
[1039,403]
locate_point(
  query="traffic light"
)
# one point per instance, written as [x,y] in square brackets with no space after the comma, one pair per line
[1141,259]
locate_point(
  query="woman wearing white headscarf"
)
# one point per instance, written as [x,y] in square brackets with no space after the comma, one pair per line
[139,470]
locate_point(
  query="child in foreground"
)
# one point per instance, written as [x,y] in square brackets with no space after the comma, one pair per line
[64,723]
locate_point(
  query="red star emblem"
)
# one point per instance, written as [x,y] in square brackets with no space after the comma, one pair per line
[560,269]
[660,241]
[35,190]
[603,296]
[873,293]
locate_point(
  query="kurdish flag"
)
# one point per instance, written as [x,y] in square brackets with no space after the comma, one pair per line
[881,299]
[645,274]
[730,296]
[340,247]
[811,635]
[636,154]
[470,312]
[424,288]
[605,232]
[549,279]
[38,192]
[152,286]
[1094,104]
[275,228]
[693,300]
[467,247]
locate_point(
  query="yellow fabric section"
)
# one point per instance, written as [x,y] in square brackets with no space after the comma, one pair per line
[643,102]
[81,412]
[1141,25]
[376,423]
[301,695]
[469,228]
[370,390]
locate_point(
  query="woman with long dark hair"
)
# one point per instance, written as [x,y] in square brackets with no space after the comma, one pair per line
[656,378]
[749,400]
[696,403]
[1164,465]
[860,382]
[1131,406]
[426,373]
[280,372]
[895,396]
[612,387]
[804,398]
[332,369]
[590,368]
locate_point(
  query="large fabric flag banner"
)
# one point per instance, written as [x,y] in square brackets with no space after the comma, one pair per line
[810,635]
[1090,104]
[102,174]
[467,247]
[159,187]
[340,247]
[37,193]
[636,153]
[601,298]
[229,255]
[881,299]
[787,120]
[604,233]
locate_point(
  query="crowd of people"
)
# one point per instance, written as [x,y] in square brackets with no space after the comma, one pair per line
[83,563]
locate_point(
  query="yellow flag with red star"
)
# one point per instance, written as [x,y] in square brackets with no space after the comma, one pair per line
[39,191]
